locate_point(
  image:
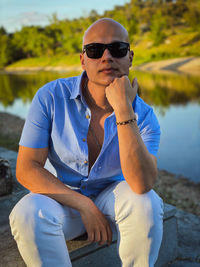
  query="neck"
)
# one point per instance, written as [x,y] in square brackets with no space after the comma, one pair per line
[95,97]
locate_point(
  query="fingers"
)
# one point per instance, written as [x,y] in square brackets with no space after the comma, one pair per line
[91,236]
[100,235]
[135,84]
[96,225]
[106,236]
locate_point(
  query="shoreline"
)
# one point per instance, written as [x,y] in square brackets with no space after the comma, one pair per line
[184,65]
[175,190]
[27,70]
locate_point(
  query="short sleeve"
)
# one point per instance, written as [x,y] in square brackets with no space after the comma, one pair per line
[37,126]
[150,132]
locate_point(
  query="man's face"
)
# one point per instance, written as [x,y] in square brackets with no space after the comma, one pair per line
[102,71]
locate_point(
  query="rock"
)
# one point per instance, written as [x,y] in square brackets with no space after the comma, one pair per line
[188,236]
[11,125]
[5,177]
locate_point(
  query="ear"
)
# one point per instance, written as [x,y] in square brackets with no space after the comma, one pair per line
[131,55]
[82,61]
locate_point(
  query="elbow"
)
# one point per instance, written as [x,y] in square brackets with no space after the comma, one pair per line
[144,184]
[141,191]
[19,174]
[22,170]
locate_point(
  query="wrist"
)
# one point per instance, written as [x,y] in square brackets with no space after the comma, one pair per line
[84,204]
[126,113]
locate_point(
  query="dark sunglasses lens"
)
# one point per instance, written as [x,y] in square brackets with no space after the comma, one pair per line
[119,49]
[95,50]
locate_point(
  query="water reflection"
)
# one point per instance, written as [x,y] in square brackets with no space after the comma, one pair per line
[175,98]
[24,86]
[162,90]
[156,89]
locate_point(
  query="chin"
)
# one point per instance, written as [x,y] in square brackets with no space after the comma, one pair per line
[109,80]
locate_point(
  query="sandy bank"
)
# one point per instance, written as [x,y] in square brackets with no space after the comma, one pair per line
[186,65]
[38,68]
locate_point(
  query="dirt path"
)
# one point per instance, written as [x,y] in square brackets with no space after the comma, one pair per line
[187,65]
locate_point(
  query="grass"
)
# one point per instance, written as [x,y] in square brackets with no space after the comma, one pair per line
[178,44]
[54,61]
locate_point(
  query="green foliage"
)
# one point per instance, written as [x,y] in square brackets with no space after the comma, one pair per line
[158,25]
[34,41]
[150,19]
[2,31]
[5,52]
[192,16]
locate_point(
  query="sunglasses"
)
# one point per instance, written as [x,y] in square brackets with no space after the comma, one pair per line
[116,49]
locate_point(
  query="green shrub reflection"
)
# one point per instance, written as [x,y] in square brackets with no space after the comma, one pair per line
[24,86]
[162,90]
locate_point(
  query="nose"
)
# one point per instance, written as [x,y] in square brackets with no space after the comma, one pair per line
[106,55]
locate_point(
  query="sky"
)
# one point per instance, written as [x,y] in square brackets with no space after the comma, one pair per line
[16,13]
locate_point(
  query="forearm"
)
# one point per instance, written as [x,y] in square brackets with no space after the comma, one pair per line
[39,180]
[137,164]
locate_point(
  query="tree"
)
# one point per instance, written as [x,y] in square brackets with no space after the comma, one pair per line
[192,16]
[33,41]
[5,49]
[2,31]
[158,24]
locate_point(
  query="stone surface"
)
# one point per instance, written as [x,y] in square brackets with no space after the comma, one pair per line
[184,264]
[168,249]
[106,256]
[7,202]
[188,236]
[11,156]
[5,177]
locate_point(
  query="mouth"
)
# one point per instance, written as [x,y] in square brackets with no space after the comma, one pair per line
[108,70]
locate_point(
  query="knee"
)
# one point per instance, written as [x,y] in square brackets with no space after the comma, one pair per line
[146,207]
[31,213]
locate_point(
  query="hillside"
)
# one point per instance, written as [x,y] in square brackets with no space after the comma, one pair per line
[157,29]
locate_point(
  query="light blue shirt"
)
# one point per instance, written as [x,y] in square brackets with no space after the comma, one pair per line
[59,119]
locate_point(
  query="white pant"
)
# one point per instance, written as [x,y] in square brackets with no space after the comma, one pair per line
[41,226]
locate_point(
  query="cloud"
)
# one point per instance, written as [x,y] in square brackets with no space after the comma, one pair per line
[32,18]
[24,19]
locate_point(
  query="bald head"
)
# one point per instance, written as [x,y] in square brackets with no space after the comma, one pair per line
[105,30]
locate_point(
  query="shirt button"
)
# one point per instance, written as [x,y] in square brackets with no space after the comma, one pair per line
[84,139]
[87,116]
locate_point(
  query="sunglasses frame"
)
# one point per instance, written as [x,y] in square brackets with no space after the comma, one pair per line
[106,46]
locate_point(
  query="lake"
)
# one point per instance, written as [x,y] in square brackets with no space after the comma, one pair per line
[174,97]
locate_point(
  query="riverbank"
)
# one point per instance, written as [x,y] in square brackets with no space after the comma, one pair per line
[180,192]
[184,65]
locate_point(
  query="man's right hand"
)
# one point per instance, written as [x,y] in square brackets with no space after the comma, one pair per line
[96,224]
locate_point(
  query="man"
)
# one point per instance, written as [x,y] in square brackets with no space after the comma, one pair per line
[101,141]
